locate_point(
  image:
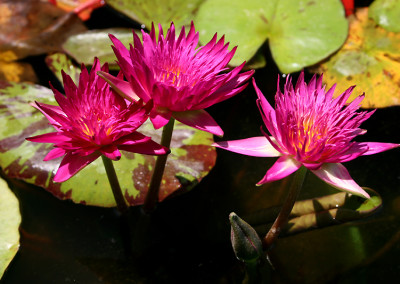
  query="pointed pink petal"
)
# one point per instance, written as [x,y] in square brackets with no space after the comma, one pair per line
[377,147]
[52,137]
[159,118]
[199,119]
[265,105]
[122,87]
[148,148]
[111,152]
[54,154]
[254,146]
[56,109]
[338,176]
[133,138]
[356,150]
[72,164]
[283,167]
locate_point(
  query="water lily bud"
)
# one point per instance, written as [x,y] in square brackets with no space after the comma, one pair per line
[245,241]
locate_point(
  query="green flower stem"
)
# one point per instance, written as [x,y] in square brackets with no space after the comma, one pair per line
[151,198]
[116,189]
[287,207]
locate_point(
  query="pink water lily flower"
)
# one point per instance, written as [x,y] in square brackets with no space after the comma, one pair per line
[180,78]
[90,121]
[309,128]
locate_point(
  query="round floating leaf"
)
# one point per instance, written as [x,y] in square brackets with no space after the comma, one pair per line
[145,12]
[190,160]
[370,59]
[59,61]
[10,220]
[85,46]
[386,13]
[33,27]
[294,38]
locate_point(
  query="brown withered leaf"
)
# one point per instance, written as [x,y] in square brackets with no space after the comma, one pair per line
[17,72]
[34,27]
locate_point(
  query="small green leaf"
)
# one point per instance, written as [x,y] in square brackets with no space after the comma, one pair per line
[190,160]
[10,220]
[294,38]
[85,46]
[59,61]
[386,13]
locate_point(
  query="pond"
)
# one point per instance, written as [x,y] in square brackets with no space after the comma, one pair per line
[187,238]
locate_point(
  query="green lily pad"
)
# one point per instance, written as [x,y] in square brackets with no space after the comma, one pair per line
[59,61]
[85,46]
[10,220]
[386,13]
[190,160]
[290,26]
[145,12]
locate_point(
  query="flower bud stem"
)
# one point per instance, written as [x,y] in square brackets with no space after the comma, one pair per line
[116,189]
[151,198]
[287,207]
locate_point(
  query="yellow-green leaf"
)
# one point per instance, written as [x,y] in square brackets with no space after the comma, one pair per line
[370,59]
[10,220]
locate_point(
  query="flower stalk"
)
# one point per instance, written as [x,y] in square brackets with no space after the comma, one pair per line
[151,198]
[116,188]
[287,207]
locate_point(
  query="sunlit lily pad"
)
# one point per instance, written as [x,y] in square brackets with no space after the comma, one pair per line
[34,27]
[85,46]
[181,12]
[318,212]
[290,26]
[370,59]
[191,159]
[386,13]
[10,220]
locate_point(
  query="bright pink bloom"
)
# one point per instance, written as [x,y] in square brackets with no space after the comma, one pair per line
[92,121]
[310,128]
[181,79]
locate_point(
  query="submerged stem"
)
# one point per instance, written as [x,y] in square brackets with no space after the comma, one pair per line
[151,198]
[116,189]
[287,207]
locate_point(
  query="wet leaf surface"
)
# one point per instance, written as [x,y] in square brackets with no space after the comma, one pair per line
[370,59]
[387,14]
[85,46]
[294,39]
[33,27]
[10,220]
[190,160]
[180,12]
